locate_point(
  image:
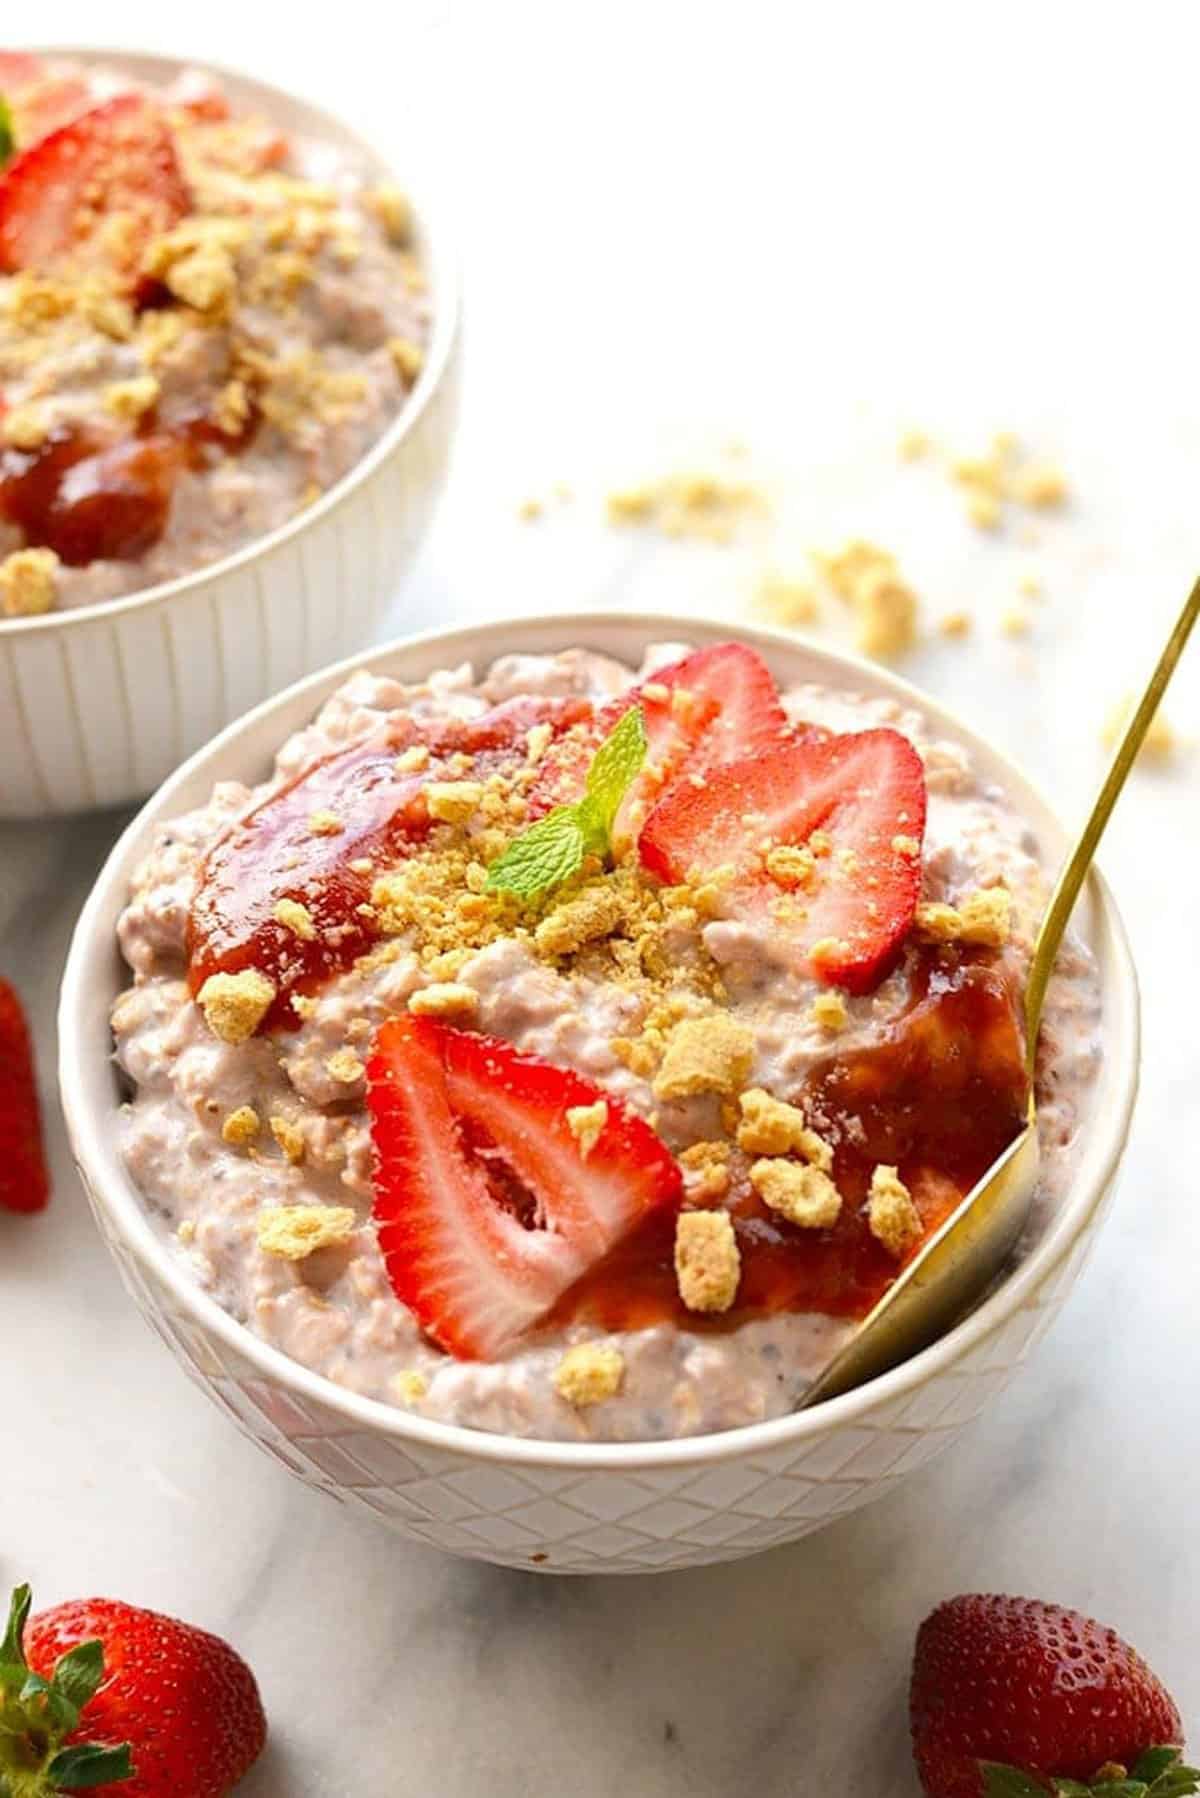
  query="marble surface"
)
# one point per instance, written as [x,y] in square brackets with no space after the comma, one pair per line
[684,225]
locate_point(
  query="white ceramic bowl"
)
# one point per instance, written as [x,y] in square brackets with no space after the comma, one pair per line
[565,1507]
[100,704]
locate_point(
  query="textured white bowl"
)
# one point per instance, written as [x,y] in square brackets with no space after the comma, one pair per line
[100,704]
[565,1507]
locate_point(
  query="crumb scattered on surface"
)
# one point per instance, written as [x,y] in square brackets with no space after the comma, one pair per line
[1160,742]
[702,505]
[893,1218]
[295,917]
[453,801]
[955,624]
[294,1232]
[589,1373]
[983,919]
[290,1137]
[344,1066]
[787,599]
[828,1010]
[1015,621]
[708,1264]
[705,1170]
[912,445]
[867,578]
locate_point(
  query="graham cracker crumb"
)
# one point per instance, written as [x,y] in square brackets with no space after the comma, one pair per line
[290,1138]
[408,358]
[325,824]
[589,1373]
[983,510]
[241,1127]
[25,427]
[706,1170]
[1044,487]
[710,1054]
[706,506]
[955,624]
[186,1232]
[443,998]
[770,1126]
[867,578]
[786,598]
[1030,586]
[413,759]
[409,1387]
[913,444]
[586,1124]
[234,1005]
[1015,621]
[828,1010]
[28,583]
[592,914]
[453,801]
[904,845]
[893,1218]
[537,740]
[392,208]
[529,509]
[294,1232]
[128,400]
[1159,743]
[987,917]
[708,1264]
[295,917]
[791,865]
[205,279]
[344,1067]
[805,1195]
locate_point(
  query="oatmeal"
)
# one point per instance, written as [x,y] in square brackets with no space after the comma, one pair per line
[204,324]
[576,1053]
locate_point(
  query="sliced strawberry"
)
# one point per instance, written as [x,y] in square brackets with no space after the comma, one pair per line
[62,195]
[487,1206]
[714,706]
[24,1182]
[864,792]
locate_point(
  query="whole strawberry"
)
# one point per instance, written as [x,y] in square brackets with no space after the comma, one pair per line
[98,1693]
[23,1182]
[1012,1698]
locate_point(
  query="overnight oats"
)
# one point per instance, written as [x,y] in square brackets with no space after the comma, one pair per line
[577,1053]
[205,322]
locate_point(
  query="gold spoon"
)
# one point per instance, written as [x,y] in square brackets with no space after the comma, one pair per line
[963,1257]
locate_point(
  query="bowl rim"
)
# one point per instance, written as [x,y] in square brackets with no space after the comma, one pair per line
[442,258]
[113,1191]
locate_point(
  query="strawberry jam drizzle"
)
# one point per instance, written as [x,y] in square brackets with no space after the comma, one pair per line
[273,852]
[90,498]
[940,1098]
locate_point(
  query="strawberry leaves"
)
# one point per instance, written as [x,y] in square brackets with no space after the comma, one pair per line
[37,1715]
[1159,1773]
[556,847]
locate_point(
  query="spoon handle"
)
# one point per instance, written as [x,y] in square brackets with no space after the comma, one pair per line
[1074,873]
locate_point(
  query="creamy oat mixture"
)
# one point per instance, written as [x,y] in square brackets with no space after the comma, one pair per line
[220,374]
[228,1138]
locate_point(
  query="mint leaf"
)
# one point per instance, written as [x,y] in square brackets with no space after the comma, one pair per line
[545,855]
[1010,1782]
[8,137]
[615,764]
[555,848]
[79,1769]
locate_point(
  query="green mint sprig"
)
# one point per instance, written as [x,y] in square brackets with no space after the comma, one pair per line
[1159,1773]
[8,136]
[556,847]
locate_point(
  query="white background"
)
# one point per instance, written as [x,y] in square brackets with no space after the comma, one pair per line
[802,226]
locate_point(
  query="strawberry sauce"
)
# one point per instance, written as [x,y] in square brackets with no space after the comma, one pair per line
[92,499]
[939,1097]
[275,853]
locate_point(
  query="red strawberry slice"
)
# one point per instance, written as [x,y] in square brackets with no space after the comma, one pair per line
[24,1183]
[714,706]
[487,1206]
[865,792]
[59,195]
